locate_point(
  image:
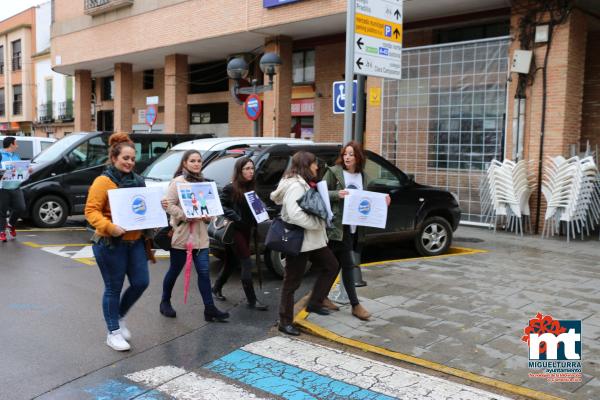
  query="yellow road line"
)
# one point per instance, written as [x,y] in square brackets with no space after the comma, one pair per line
[86,261]
[37,245]
[453,251]
[508,387]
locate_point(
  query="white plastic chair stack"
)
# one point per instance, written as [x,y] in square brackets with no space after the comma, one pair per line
[571,190]
[505,192]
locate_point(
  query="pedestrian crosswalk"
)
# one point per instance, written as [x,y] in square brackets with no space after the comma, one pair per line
[288,368]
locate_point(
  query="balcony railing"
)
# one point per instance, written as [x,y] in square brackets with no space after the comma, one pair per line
[96,7]
[16,62]
[65,110]
[17,108]
[44,112]
[1,68]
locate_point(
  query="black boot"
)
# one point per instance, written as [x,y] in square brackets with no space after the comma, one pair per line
[253,302]
[217,294]
[167,310]
[212,313]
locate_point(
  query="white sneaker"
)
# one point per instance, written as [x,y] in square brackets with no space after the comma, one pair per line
[116,341]
[124,331]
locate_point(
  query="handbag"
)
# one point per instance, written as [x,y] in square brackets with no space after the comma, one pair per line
[162,238]
[312,203]
[221,229]
[285,238]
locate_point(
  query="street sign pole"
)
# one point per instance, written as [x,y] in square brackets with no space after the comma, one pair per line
[359,121]
[349,74]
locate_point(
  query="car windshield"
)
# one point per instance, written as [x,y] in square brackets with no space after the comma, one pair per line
[165,166]
[57,149]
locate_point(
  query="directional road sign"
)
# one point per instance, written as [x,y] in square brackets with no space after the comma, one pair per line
[339,97]
[378,38]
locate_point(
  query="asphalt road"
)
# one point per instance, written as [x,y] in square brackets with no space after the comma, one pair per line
[53,334]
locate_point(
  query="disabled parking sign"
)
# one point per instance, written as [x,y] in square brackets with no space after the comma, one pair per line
[339,97]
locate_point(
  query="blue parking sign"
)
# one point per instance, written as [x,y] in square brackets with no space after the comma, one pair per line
[339,97]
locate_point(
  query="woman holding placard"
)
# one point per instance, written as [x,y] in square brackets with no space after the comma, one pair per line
[118,253]
[236,208]
[348,173]
[190,236]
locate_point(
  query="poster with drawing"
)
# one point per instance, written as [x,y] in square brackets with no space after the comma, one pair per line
[257,206]
[14,171]
[198,199]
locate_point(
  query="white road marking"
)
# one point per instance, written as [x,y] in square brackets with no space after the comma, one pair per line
[365,373]
[180,384]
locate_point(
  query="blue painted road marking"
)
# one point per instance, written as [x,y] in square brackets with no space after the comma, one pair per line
[286,380]
[116,390]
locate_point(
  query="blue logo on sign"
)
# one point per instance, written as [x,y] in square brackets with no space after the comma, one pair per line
[388,31]
[364,207]
[138,205]
[384,51]
[339,97]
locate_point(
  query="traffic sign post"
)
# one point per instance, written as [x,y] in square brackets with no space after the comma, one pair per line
[253,109]
[339,97]
[151,114]
[378,38]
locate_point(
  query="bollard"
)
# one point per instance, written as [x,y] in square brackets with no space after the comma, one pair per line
[356,271]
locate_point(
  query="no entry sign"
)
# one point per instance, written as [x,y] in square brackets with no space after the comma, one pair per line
[252,107]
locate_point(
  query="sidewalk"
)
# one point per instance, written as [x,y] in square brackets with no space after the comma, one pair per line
[465,314]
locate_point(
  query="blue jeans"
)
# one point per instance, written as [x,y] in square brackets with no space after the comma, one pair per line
[116,262]
[200,259]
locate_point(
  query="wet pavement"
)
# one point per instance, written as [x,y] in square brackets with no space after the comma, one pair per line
[469,312]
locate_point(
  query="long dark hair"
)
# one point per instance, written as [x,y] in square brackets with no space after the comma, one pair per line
[186,156]
[301,162]
[359,155]
[116,142]
[239,184]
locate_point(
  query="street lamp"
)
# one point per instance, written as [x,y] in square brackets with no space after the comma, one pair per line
[237,69]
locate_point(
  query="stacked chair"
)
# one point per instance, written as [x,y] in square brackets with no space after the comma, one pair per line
[505,191]
[572,193]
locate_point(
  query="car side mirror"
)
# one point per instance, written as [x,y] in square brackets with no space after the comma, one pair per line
[411,177]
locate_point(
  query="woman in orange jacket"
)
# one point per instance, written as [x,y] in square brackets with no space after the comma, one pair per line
[118,253]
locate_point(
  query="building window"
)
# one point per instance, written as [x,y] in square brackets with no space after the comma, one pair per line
[148,79]
[1,60]
[215,113]
[16,55]
[303,64]
[208,77]
[473,32]
[1,102]
[17,108]
[108,88]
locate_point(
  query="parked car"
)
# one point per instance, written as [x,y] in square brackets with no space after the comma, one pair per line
[161,171]
[31,146]
[63,173]
[416,213]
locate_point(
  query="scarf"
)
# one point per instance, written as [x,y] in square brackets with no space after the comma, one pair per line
[123,180]
[192,178]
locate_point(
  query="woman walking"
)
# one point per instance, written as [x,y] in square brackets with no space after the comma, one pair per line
[297,181]
[236,208]
[189,230]
[118,253]
[348,173]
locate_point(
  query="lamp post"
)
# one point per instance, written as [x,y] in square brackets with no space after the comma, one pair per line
[237,69]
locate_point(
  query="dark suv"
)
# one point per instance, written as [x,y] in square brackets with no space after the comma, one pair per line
[63,173]
[426,215]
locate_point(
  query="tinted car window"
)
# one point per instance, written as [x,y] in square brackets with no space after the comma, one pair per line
[165,166]
[381,175]
[89,153]
[220,170]
[25,149]
[270,170]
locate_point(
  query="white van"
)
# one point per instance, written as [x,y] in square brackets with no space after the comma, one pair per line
[31,146]
[161,171]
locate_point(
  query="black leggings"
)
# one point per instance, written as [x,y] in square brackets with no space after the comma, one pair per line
[343,253]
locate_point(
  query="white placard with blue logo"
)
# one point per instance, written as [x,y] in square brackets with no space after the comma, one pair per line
[137,208]
[339,97]
[365,208]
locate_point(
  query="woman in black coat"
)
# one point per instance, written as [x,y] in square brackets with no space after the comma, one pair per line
[236,208]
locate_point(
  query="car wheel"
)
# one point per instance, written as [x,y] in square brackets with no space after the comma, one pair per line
[434,237]
[276,262]
[49,212]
